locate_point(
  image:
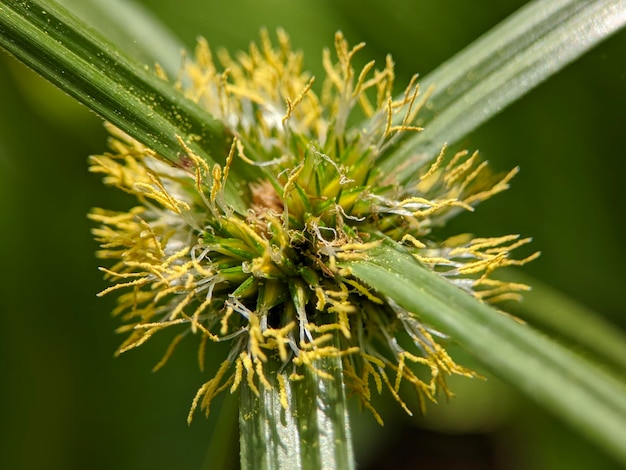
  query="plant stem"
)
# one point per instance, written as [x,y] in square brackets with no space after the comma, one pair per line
[312,433]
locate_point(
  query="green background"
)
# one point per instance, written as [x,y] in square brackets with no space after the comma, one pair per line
[66,403]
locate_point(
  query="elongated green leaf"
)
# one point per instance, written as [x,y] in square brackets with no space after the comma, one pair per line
[566,384]
[67,52]
[313,432]
[133,28]
[504,64]
[547,307]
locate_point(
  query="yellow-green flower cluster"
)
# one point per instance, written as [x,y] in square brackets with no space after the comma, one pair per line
[268,279]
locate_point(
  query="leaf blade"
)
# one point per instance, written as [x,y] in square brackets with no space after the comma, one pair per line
[545,306]
[579,392]
[501,66]
[60,47]
[133,28]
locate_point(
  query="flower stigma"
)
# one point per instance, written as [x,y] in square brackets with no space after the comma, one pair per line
[268,280]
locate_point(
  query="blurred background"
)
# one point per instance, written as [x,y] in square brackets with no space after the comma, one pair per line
[66,403]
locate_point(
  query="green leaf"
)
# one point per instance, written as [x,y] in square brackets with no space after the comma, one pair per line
[498,68]
[71,55]
[566,384]
[547,307]
[313,432]
[133,28]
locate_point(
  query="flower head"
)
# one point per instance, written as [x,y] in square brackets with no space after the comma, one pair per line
[268,278]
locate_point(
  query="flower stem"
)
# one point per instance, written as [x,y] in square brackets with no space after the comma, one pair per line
[312,433]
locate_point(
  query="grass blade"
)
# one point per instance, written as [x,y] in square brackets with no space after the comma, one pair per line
[550,309]
[133,28]
[566,384]
[63,49]
[504,64]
